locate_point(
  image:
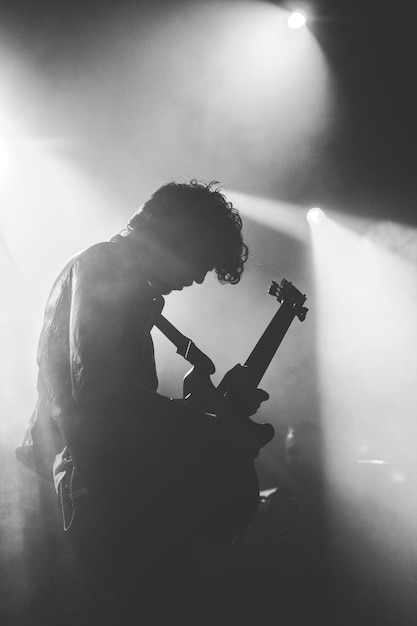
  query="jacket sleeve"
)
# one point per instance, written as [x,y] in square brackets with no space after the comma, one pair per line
[111,351]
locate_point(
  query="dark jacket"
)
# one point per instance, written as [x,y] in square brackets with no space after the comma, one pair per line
[95,353]
[132,448]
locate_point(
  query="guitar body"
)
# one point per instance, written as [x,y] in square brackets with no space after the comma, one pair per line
[229,500]
[200,392]
[226,504]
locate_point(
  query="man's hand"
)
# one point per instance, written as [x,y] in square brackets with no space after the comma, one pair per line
[239,393]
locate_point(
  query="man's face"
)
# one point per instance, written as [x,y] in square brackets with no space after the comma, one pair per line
[181,268]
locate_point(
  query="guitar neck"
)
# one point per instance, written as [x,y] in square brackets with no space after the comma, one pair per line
[262,354]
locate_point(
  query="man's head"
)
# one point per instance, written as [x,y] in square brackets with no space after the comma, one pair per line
[193,229]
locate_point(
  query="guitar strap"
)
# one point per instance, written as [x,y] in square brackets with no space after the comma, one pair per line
[185,346]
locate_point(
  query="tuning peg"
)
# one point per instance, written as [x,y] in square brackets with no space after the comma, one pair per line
[302,313]
[274,289]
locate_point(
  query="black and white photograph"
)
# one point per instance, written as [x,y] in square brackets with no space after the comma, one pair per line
[208,336]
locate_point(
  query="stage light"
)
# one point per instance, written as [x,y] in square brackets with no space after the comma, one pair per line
[296,20]
[315,216]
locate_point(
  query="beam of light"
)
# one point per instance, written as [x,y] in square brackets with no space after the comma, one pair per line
[366,311]
[296,20]
[55,213]
[265,93]
[279,216]
[266,66]
[48,211]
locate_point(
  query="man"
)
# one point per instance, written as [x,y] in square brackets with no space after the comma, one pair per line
[139,476]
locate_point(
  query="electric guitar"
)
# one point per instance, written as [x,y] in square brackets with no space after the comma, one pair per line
[231,501]
[198,388]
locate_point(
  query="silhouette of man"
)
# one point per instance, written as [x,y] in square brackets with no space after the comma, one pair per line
[140,475]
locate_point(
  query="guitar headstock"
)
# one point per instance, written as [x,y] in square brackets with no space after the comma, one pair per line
[287,294]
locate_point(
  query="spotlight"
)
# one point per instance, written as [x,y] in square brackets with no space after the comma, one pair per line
[315,216]
[296,20]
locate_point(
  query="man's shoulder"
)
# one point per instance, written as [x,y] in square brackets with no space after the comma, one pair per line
[105,258]
[111,263]
[102,252]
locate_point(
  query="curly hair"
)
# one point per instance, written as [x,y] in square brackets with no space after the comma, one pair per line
[196,212]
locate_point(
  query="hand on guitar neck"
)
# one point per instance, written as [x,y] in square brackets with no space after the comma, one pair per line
[240,393]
